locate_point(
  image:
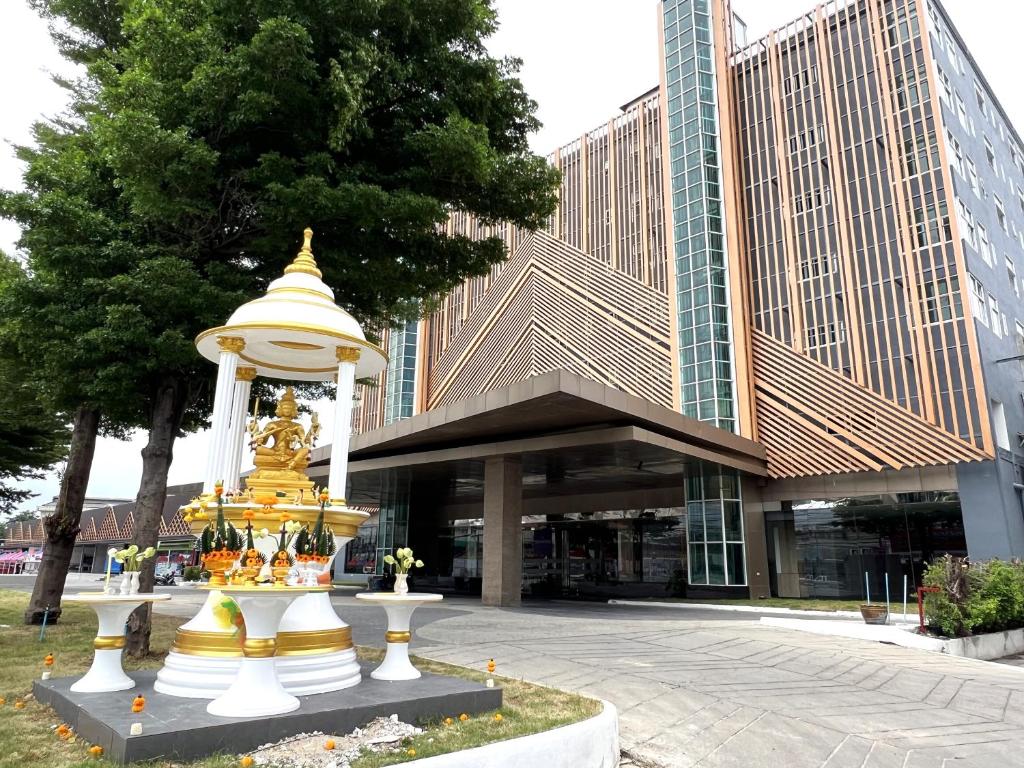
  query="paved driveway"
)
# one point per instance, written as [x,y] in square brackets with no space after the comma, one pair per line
[701,688]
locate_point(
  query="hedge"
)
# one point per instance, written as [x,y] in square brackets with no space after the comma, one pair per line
[974,597]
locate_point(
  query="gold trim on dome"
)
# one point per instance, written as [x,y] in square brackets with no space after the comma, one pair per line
[301,327]
[304,261]
[392,636]
[191,642]
[347,354]
[296,345]
[259,647]
[290,368]
[297,289]
[230,344]
[108,642]
[245,373]
[320,641]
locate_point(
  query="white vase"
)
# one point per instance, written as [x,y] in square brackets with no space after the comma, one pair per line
[401,587]
[130,583]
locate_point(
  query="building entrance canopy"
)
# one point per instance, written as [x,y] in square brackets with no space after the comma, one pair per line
[556,446]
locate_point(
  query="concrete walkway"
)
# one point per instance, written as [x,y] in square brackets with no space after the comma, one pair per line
[701,688]
[693,691]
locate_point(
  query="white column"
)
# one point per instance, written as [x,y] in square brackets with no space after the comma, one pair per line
[226,367]
[338,477]
[236,426]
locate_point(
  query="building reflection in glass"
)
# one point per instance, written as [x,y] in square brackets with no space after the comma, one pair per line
[820,548]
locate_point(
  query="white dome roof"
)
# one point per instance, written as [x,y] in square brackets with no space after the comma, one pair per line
[295,329]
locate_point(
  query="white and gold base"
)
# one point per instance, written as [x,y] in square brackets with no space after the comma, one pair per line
[207,651]
[314,648]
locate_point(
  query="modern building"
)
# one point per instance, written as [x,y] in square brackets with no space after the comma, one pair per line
[770,342]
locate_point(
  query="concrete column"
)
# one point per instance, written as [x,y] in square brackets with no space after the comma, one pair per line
[754,534]
[503,531]
[236,427]
[337,480]
[227,363]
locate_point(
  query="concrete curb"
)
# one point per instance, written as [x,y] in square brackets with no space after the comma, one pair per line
[895,617]
[591,743]
[994,645]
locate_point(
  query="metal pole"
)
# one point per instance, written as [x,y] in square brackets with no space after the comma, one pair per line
[867,587]
[887,597]
[904,597]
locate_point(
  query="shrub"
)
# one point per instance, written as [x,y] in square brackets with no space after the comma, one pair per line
[193,573]
[977,597]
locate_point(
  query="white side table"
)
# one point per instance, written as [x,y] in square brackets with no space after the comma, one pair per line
[106,672]
[399,608]
[257,690]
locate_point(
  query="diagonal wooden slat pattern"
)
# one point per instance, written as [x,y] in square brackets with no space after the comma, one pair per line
[554,306]
[801,403]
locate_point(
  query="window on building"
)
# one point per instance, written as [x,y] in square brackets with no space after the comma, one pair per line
[985,245]
[995,319]
[818,265]
[1020,198]
[972,175]
[952,52]
[1000,211]
[957,154]
[947,88]
[979,306]
[901,25]
[800,80]
[961,112]
[999,431]
[808,201]
[1011,273]
[932,223]
[921,152]
[990,154]
[823,335]
[970,229]
[979,94]
[942,300]
[806,139]
[911,88]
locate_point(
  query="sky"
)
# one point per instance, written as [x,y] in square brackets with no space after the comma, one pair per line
[582,59]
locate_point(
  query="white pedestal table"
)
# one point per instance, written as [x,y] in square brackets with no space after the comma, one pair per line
[112,611]
[399,608]
[257,690]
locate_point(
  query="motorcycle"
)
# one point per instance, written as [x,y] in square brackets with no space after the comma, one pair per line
[166,579]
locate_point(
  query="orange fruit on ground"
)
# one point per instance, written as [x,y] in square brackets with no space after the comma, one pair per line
[96,750]
[498,718]
[246,762]
[411,752]
[463,717]
[329,744]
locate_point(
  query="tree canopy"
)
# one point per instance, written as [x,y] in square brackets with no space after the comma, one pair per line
[33,436]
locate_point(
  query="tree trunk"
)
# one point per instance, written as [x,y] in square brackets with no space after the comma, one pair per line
[61,528]
[169,403]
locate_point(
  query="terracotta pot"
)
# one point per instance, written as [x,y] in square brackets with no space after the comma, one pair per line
[874,614]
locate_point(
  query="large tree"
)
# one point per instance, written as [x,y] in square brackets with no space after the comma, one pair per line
[229,125]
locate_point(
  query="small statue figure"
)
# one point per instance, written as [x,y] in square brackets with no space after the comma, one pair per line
[287,447]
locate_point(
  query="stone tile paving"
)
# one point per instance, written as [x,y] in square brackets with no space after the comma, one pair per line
[703,691]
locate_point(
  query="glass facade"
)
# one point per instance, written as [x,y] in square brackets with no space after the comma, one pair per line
[714,515]
[833,544]
[701,292]
[393,519]
[400,382]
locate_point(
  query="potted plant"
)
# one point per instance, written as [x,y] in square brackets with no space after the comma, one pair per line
[131,560]
[402,561]
[874,613]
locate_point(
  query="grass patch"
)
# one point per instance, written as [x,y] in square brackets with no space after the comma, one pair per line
[797,603]
[526,709]
[27,738]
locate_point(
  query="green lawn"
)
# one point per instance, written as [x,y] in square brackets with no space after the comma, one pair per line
[27,737]
[799,603]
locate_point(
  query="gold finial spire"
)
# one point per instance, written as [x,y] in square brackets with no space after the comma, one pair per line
[304,260]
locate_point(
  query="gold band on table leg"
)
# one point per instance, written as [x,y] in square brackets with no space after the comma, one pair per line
[108,642]
[218,644]
[397,637]
[259,647]
[318,641]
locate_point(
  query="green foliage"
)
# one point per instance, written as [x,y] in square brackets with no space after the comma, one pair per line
[33,435]
[974,598]
[192,573]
